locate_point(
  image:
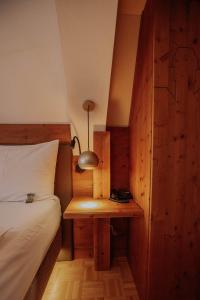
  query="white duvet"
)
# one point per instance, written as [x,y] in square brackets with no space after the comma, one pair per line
[26,232]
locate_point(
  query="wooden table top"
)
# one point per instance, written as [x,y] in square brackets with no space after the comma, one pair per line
[87,207]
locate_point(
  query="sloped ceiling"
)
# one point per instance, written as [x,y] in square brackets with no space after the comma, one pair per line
[124,57]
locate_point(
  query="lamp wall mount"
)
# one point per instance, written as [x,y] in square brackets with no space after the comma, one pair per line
[88,105]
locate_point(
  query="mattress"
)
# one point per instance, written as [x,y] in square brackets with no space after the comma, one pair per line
[26,232]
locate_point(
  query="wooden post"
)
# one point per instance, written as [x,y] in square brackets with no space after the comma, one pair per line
[101,175]
[102,244]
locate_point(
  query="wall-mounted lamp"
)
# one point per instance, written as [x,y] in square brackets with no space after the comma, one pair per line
[88,160]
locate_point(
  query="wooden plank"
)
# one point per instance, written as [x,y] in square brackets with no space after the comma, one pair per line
[83,238]
[120,236]
[101,175]
[83,186]
[82,229]
[78,280]
[86,207]
[33,133]
[175,231]
[87,252]
[97,173]
[119,153]
[82,182]
[140,151]
[102,244]
[168,238]
[119,167]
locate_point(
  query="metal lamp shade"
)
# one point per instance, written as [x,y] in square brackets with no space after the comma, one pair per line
[88,160]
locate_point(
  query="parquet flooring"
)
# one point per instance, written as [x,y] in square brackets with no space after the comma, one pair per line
[77,280]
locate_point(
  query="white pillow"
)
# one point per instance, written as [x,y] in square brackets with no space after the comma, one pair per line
[27,169]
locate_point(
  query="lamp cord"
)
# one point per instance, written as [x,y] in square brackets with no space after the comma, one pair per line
[88,116]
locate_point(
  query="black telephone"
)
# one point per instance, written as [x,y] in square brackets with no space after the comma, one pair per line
[122,196]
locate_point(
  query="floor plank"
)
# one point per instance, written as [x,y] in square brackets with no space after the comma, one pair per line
[78,280]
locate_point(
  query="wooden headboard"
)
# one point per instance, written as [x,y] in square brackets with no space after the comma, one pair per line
[27,134]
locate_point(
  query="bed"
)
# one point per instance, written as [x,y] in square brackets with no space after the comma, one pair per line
[43,235]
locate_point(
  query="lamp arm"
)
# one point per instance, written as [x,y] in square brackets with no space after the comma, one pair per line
[73,142]
[88,115]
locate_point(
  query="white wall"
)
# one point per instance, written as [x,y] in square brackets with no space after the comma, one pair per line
[32,83]
[47,70]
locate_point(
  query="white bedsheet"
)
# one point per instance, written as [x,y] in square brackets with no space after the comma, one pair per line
[26,232]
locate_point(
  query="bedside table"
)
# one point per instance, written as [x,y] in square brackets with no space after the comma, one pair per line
[101,210]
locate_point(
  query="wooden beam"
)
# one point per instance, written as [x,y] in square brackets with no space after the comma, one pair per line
[82,182]
[102,244]
[101,175]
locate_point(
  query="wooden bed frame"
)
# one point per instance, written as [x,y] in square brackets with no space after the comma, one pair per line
[26,134]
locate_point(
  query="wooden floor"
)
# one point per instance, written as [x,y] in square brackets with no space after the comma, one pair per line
[77,280]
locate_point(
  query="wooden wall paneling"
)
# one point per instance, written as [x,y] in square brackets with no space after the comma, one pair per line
[119,237]
[175,230]
[140,151]
[85,184]
[169,239]
[82,182]
[82,229]
[119,153]
[119,167]
[83,238]
[161,108]
[102,244]
[101,175]
[23,134]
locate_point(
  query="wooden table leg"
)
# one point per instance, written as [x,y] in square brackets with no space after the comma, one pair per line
[102,244]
